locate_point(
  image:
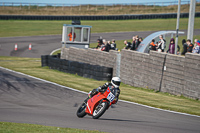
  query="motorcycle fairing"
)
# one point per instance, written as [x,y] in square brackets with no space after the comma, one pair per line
[93,102]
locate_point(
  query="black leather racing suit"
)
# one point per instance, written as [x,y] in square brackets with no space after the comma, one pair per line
[103,88]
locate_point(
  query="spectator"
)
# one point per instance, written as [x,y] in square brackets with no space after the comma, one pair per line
[152,45]
[161,44]
[133,45]
[171,49]
[196,48]
[127,45]
[104,46]
[196,42]
[109,45]
[140,40]
[99,43]
[103,43]
[137,42]
[190,46]
[113,45]
[184,47]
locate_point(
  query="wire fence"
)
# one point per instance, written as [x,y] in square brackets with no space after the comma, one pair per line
[93,9]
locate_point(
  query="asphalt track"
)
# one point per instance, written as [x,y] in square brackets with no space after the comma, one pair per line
[43,45]
[25,99]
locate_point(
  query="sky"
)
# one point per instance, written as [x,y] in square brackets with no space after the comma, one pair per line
[88,1]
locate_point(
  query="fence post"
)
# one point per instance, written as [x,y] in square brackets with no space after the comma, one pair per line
[20,6]
[163,69]
[118,62]
[29,7]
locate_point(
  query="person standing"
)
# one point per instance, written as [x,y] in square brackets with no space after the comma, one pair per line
[190,46]
[113,45]
[171,49]
[127,45]
[161,44]
[184,47]
[133,45]
[153,45]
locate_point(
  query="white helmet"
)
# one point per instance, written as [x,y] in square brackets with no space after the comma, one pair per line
[116,82]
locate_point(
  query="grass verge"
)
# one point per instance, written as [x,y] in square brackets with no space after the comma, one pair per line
[44,27]
[32,66]
[8,127]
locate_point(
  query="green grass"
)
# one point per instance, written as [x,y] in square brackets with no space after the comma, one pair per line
[8,127]
[10,28]
[32,66]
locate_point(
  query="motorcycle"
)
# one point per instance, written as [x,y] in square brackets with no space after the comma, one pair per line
[98,104]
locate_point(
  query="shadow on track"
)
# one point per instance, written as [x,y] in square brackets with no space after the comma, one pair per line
[107,119]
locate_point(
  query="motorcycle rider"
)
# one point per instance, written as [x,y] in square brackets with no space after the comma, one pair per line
[115,83]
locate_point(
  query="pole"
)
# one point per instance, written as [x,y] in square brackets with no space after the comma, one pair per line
[191,20]
[177,25]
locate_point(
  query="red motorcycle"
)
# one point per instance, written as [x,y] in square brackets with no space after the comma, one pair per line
[98,104]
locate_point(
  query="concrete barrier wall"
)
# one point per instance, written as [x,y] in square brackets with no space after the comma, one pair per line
[163,72]
[192,76]
[91,56]
[173,76]
[134,68]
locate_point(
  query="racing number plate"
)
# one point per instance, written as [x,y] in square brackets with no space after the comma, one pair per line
[110,97]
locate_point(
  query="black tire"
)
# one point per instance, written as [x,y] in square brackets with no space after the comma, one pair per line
[81,111]
[100,111]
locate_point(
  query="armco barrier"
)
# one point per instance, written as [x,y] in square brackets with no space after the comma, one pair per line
[74,67]
[96,17]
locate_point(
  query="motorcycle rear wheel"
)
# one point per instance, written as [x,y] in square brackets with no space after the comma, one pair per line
[100,110]
[81,111]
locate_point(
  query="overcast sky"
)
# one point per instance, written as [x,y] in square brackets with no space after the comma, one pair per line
[87,1]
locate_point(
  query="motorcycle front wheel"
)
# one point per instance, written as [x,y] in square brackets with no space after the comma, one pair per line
[100,110]
[81,111]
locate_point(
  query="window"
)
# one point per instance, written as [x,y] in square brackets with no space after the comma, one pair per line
[77,34]
[85,34]
[69,33]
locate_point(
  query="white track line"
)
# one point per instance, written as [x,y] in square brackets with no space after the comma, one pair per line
[55,50]
[87,93]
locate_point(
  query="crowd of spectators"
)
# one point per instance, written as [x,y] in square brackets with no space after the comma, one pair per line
[135,43]
[159,46]
[104,45]
[188,47]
